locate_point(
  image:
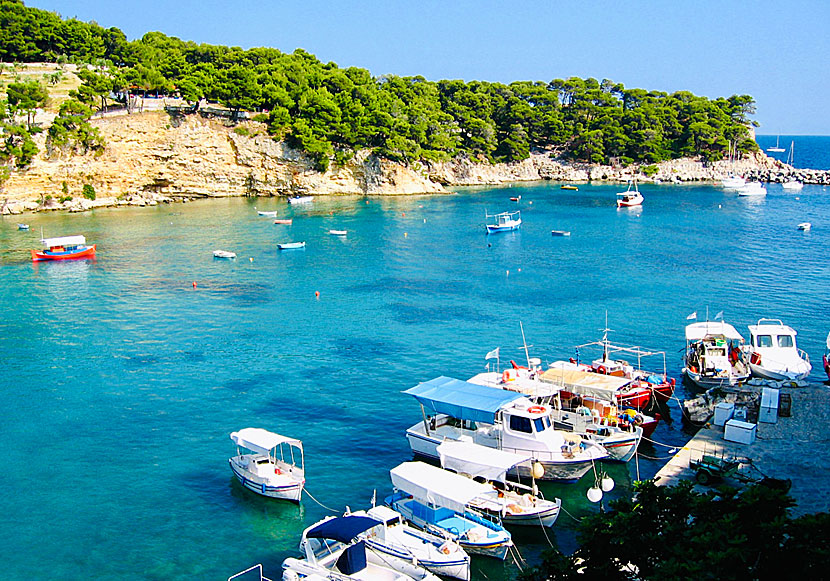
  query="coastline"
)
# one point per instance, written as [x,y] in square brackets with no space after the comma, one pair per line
[153,158]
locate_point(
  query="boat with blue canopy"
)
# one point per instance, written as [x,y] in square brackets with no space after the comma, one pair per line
[437,501]
[456,410]
[335,548]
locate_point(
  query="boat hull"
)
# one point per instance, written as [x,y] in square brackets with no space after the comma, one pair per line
[706,381]
[493,229]
[85,252]
[826,361]
[291,490]
[457,568]
[776,375]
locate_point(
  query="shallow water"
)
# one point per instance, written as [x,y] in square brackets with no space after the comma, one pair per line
[122,381]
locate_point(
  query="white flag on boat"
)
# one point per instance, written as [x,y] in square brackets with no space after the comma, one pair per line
[494,354]
[719,316]
[692,316]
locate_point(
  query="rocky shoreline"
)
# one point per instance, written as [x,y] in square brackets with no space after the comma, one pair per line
[154,158]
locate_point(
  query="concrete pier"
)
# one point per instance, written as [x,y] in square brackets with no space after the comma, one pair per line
[794,448]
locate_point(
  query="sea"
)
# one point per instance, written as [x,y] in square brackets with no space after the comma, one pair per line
[124,376]
[809,151]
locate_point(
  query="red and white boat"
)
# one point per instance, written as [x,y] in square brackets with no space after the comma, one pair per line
[827,358]
[630,197]
[63,248]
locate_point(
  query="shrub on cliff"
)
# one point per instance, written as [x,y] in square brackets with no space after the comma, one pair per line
[71,129]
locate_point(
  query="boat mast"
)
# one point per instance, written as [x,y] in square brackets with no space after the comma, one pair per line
[524,343]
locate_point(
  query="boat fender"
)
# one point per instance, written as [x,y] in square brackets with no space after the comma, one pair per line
[639,419]
[755,358]
[572,360]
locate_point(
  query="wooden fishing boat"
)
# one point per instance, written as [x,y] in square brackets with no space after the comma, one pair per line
[287,221]
[569,187]
[503,222]
[338,232]
[63,248]
[269,464]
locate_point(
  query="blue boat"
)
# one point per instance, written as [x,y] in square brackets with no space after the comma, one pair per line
[504,222]
[436,501]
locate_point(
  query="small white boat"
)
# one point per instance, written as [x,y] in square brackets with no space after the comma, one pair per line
[777,148]
[504,222]
[224,254]
[291,245]
[514,503]
[397,539]
[631,197]
[301,200]
[805,226]
[560,232]
[269,464]
[338,232]
[792,184]
[22,226]
[437,501]
[773,354]
[752,189]
[335,549]
[267,214]
[733,182]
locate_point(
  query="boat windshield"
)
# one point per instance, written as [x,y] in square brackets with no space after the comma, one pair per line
[785,341]
[541,424]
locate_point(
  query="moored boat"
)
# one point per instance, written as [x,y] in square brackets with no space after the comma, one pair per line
[503,222]
[396,539]
[338,232]
[267,214]
[291,245]
[714,356]
[301,200]
[437,501]
[335,549]
[224,254]
[514,503]
[826,357]
[63,248]
[773,354]
[733,182]
[751,189]
[21,226]
[568,187]
[560,233]
[631,197]
[500,419]
[805,226]
[269,464]
[287,221]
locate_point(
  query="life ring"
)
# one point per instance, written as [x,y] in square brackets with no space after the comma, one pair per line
[509,375]
[601,369]
[536,409]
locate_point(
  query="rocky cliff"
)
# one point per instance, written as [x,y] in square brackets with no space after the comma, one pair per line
[153,157]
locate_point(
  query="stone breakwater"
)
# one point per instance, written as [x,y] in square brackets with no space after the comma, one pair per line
[153,158]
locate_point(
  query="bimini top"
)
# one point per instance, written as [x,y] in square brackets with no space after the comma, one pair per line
[63,241]
[461,399]
[477,460]
[697,331]
[261,441]
[585,382]
[343,528]
[436,486]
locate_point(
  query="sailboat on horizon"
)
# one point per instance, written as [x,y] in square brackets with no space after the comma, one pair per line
[777,148]
[792,183]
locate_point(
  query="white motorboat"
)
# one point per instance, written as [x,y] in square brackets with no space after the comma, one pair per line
[301,200]
[501,419]
[714,355]
[338,232]
[269,464]
[396,539]
[335,548]
[733,182]
[620,440]
[560,233]
[631,197]
[504,222]
[437,501]
[223,254]
[515,503]
[267,214]
[805,226]
[773,354]
[826,358]
[752,189]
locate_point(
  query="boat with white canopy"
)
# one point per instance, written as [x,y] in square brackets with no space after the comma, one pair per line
[500,419]
[714,355]
[437,501]
[515,503]
[63,248]
[335,549]
[269,464]
[773,353]
[396,539]
[503,222]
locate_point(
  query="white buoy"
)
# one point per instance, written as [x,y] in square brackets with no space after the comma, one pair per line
[607,483]
[594,494]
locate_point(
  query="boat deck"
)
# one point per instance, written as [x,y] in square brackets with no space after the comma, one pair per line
[791,448]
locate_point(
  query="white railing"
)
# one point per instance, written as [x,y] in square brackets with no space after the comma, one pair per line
[248,570]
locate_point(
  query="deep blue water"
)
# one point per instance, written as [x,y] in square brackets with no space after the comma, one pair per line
[121,382]
[809,151]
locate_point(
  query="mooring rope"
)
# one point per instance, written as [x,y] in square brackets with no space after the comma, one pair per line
[320,503]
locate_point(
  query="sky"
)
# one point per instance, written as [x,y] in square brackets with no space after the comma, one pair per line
[776,51]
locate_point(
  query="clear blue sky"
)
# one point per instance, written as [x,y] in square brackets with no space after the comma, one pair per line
[776,51]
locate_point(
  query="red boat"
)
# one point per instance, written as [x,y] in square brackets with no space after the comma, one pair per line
[64,248]
[827,358]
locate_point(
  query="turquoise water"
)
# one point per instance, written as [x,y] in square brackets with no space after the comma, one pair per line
[122,382]
[810,151]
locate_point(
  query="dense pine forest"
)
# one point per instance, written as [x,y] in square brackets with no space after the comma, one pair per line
[330,112]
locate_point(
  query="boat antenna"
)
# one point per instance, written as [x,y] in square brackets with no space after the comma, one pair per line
[524,343]
[605,338]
